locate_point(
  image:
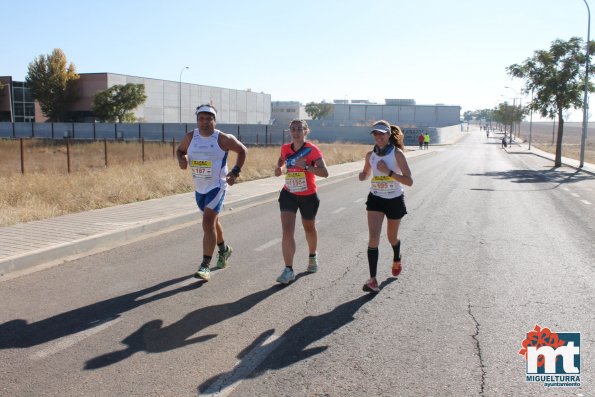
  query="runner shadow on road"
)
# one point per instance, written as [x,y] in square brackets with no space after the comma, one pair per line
[292,346]
[552,175]
[152,337]
[19,334]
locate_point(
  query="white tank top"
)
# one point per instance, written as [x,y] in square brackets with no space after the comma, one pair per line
[383,185]
[208,162]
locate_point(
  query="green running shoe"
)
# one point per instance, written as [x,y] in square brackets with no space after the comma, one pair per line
[222,257]
[203,272]
[312,264]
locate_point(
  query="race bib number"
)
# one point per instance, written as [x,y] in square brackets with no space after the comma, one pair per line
[201,168]
[296,181]
[383,185]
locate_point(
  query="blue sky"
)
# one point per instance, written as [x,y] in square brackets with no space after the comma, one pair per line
[434,51]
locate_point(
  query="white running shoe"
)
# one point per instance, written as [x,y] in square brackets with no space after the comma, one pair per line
[286,277]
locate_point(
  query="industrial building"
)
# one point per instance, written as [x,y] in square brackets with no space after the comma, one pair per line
[167,101]
[403,112]
[282,112]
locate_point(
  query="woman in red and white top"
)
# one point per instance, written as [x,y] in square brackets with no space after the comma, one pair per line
[303,162]
[390,171]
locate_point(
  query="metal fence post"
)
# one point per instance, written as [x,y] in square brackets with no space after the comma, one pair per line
[68,153]
[22,157]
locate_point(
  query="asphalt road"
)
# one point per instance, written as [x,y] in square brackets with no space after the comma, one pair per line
[493,244]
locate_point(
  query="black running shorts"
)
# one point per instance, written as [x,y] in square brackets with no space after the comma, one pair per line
[393,208]
[308,205]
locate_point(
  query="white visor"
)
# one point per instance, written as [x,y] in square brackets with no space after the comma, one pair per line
[380,128]
[206,109]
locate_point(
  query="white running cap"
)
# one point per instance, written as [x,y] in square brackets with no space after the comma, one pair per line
[206,109]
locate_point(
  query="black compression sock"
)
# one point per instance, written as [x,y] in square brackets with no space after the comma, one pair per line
[373,260]
[397,251]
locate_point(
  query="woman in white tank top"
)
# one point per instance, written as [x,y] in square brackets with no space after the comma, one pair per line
[389,170]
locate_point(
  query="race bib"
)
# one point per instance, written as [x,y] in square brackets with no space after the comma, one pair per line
[296,181]
[383,185]
[201,168]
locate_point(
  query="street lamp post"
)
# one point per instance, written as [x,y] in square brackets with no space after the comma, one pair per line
[586,97]
[531,120]
[512,121]
[180,91]
[513,114]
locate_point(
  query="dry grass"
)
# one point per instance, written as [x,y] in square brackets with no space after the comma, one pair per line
[46,190]
[571,151]
[544,135]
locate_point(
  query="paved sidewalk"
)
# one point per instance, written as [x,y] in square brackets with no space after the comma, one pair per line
[36,243]
[524,146]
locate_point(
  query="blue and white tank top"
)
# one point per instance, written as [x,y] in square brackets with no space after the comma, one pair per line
[208,162]
[383,185]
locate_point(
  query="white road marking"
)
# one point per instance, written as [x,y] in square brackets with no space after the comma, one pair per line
[359,200]
[268,245]
[574,195]
[67,341]
[586,202]
[565,189]
[228,382]
[338,210]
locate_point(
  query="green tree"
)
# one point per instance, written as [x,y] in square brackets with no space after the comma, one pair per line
[481,114]
[556,78]
[507,115]
[118,102]
[53,84]
[318,110]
